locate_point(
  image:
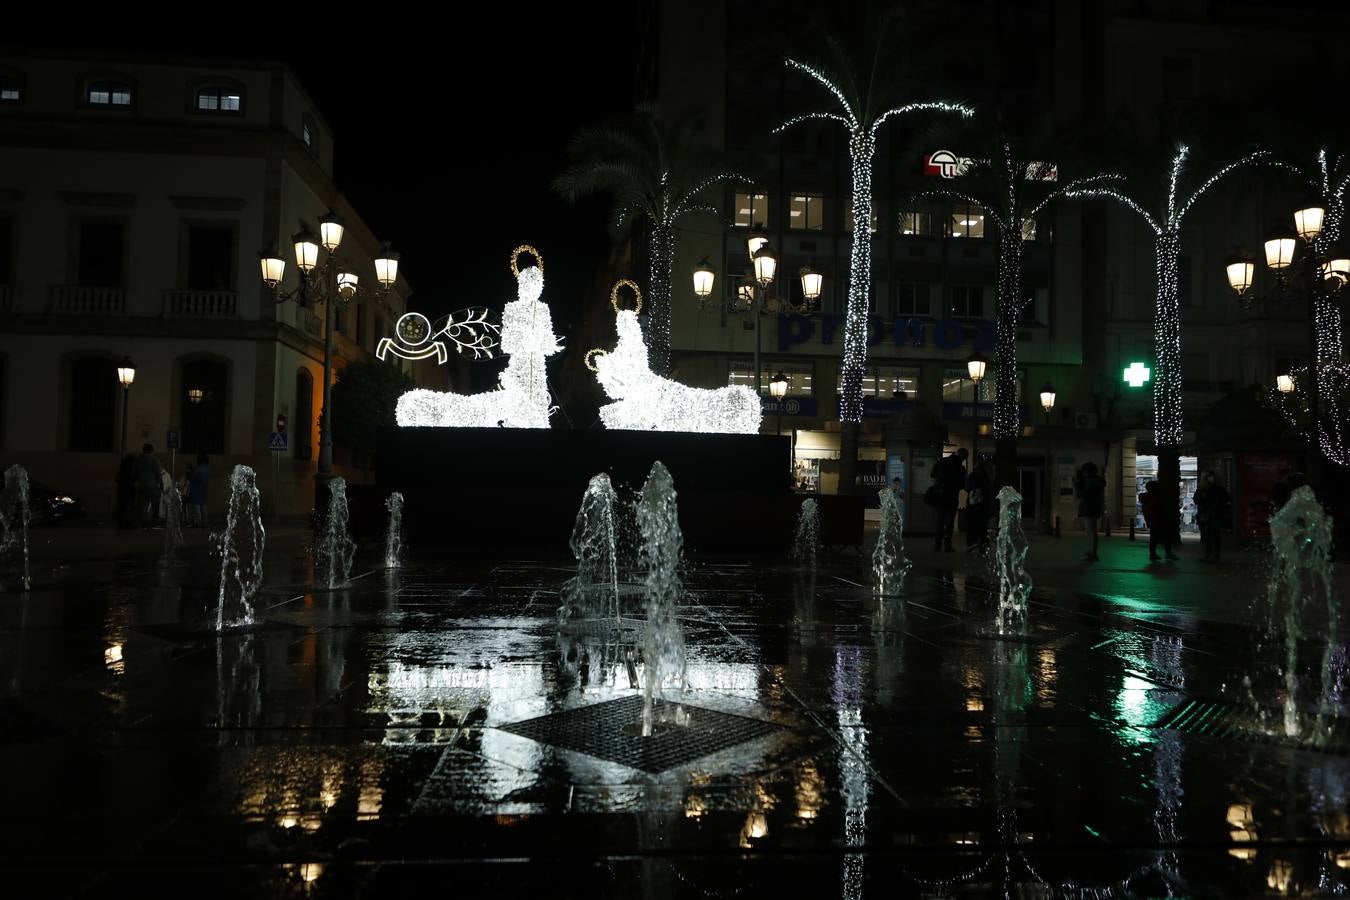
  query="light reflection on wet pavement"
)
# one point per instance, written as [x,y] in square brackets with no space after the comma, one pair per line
[354,743]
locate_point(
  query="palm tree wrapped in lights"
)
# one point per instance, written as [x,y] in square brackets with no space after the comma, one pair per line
[1165,223]
[862,105]
[650,170]
[1010,191]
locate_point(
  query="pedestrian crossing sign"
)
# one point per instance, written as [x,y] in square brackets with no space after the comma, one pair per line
[277,441]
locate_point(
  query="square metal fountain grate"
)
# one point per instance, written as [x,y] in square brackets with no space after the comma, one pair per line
[1224,721]
[609,731]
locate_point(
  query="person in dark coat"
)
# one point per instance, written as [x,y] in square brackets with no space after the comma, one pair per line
[1090,488]
[1158,533]
[149,484]
[979,501]
[1211,512]
[949,478]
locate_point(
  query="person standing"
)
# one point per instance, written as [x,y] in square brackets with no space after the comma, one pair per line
[949,478]
[1212,507]
[1090,489]
[1158,532]
[979,488]
[148,485]
[201,477]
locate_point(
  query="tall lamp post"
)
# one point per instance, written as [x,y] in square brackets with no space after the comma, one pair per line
[778,387]
[1047,404]
[1319,275]
[126,374]
[976,367]
[765,263]
[329,284]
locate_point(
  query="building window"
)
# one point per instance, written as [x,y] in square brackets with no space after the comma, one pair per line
[1028,229]
[752,210]
[848,217]
[92,413]
[307,135]
[11,88]
[203,405]
[210,262]
[108,92]
[889,382]
[910,300]
[304,415]
[967,301]
[799,376]
[806,212]
[916,221]
[958,388]
[219,99]
[101,252]
[967,221]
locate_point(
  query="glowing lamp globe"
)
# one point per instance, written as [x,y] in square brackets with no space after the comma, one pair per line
[386,268]
[812,282]
[1280,248]
[306,251]
[347,284]
[1338,266]
[703,278]
[330,231]
[766,265]
[1241,269]
[273,267]
[126,372]
[976,366]
[753,243]
[778,386]
[1048,397]
[1308,221]
[1285,383]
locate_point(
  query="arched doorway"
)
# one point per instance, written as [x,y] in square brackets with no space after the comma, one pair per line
[304,415]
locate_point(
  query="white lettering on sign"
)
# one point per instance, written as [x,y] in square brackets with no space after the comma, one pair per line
[946,164]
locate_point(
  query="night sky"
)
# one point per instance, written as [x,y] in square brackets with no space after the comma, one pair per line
[448,158]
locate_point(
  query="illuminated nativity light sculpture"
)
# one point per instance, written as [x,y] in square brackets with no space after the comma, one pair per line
[466,330]
[644,401]
[521,399]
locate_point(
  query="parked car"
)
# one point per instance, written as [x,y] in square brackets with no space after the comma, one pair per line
[49,505]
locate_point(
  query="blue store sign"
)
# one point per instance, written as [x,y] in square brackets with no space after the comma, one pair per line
[791,406]
[946,334]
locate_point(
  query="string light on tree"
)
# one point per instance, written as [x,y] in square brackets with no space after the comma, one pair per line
[862,113]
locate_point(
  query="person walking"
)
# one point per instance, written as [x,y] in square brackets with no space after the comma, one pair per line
[1090,488]
[197,485]
[949,478]
[148,486]
[1158,532]
[979,490]
[1211,513]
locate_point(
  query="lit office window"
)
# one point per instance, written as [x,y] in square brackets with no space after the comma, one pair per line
[218,99]
[967,221]
[890,382]
[799,376]
[752,210]
[108,93]
[916,221]
[1028,229]
[806,212]
[958,388]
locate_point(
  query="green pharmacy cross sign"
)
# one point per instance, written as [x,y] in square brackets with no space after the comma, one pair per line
[1137,374]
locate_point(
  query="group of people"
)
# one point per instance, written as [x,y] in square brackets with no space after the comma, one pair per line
[949,480]
[142,484]
[1212,503]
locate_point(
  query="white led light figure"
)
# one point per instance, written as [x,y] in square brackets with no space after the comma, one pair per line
[521,399]
[414,340]
[645,401]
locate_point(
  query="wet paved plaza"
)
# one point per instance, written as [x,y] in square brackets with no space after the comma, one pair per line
[431,729]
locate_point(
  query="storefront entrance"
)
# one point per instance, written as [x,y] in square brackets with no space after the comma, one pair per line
[1146,470]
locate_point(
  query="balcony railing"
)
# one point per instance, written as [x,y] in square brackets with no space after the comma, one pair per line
[88,301]
[201,304]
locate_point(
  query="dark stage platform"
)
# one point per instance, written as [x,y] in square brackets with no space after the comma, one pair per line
[503,490]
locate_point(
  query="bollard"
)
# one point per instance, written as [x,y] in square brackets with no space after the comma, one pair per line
[1131,527]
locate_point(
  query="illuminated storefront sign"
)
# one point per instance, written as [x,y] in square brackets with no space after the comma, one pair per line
[946,164]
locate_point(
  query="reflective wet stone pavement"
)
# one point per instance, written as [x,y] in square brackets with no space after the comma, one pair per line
[389,738]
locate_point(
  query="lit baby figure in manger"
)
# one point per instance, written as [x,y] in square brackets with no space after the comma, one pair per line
[521,399]
[645,401]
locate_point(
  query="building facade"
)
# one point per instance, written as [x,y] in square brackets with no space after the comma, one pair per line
[134,201]
[1088,271]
